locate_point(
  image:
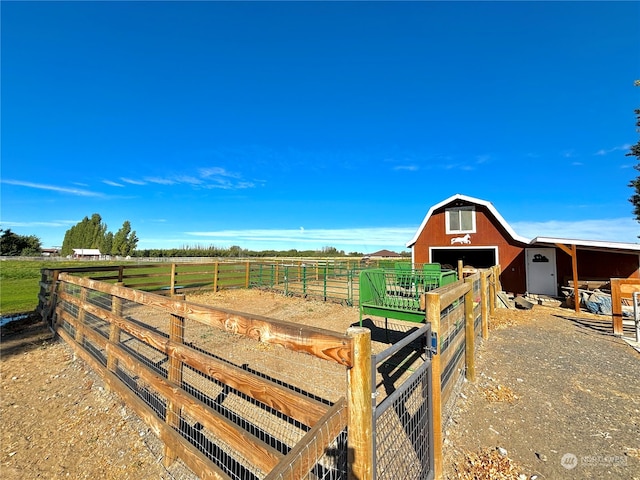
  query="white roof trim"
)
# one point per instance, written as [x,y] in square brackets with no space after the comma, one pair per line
[588,243]
[477,201]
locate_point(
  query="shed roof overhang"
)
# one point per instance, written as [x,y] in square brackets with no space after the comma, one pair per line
[596,245]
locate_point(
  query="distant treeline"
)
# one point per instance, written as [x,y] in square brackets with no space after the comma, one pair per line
[236,251]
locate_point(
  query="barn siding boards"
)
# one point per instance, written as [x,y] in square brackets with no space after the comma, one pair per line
[595,259]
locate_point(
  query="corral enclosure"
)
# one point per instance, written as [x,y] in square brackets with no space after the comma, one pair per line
[251,394]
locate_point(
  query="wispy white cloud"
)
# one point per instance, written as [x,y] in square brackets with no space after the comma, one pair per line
[54,188]
[604,151]
[208,178]
[33,224]
[611,230]
[159,180]
[112,184]
[132,182]
[217,172]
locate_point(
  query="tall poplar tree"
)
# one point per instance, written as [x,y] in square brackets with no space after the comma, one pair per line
[635,184]
[92,233]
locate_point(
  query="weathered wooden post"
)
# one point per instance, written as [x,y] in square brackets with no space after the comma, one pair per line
[174,376]
[247,274]
[359,398]
[79,337]
[469,332]
[492,292]
[484,304]
[433,310]
[114,331]
[53,299]
[215,276]
[172,282]
[460,269]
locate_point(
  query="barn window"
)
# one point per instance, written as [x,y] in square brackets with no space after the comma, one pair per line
[461,220]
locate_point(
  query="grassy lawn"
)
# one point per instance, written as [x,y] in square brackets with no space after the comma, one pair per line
[20,283]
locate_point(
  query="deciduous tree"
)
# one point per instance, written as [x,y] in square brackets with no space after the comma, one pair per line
[13,244]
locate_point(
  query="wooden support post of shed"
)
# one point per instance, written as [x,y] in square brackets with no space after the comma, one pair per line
[460,269]
[572,251]
[360,408]
[433,310]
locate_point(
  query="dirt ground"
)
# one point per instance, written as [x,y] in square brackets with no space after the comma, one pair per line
[555,396]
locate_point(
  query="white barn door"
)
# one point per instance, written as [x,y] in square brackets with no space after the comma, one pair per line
[541,271]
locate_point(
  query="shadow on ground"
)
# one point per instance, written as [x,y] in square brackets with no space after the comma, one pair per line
[23,335]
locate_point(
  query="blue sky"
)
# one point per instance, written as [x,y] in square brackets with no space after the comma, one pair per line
[312,124]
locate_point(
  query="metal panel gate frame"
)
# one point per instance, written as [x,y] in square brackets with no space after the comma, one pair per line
[412,414]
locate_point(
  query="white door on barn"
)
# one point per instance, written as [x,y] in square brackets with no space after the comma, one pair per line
[541,271]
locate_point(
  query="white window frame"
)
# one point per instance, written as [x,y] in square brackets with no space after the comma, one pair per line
[449,211]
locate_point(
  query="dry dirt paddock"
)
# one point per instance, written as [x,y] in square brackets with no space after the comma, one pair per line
[555,396]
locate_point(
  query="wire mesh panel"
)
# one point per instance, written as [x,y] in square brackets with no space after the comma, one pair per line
[403,422]
[452,350]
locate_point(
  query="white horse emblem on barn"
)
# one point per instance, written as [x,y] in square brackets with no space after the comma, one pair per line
[462,240]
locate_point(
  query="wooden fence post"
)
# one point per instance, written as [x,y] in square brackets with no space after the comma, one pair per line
[484,304]
[433,310]
[172,283]
[460,269]
[53,298]
[114,331]
[492,292]
[215,276]
[359,398]
[247,275]
[174,375]
[79,338]
[470,334]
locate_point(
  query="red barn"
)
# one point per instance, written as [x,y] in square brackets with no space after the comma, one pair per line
[469,229]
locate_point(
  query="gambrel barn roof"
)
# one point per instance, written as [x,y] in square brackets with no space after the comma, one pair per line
[465,198]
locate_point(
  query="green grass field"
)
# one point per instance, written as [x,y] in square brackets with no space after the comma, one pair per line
[20,283]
